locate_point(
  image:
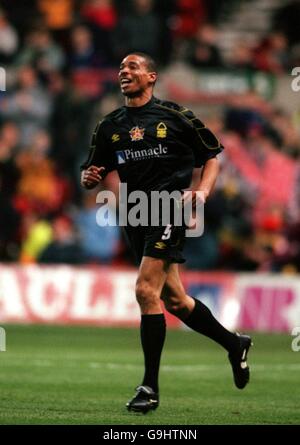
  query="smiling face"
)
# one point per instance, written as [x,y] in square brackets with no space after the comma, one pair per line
[135,77]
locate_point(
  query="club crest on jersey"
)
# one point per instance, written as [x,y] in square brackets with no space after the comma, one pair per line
[137,133]
[115,137]
[161,130]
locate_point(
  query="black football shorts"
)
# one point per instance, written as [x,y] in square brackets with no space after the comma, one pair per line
[164,242]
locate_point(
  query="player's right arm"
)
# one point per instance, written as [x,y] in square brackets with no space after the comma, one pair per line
[99,161]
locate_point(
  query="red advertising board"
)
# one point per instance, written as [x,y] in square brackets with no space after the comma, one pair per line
[268,302]
[69,295]
[104,296]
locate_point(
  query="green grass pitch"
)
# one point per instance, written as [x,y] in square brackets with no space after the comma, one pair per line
[79,375]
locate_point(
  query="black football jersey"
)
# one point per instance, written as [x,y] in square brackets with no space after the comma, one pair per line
[153,147]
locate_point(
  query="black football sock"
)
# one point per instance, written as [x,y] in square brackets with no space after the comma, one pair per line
[202,320]
[153,333]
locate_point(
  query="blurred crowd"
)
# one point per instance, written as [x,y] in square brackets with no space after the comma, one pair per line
[61,59]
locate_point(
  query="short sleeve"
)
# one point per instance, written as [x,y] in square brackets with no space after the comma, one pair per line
[99,151]
[204,143]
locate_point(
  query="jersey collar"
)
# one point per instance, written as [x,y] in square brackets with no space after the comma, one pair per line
[136,110]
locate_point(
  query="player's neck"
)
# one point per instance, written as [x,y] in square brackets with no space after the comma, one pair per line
[138,101]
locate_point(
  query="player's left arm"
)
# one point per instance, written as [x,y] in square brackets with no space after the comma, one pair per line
[206,146]
[208,179]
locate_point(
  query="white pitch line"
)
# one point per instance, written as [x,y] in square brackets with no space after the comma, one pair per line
[266,367]
[192,368]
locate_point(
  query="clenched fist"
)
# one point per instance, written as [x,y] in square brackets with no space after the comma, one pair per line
[91,176]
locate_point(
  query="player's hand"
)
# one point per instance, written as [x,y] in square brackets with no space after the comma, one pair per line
[91,176]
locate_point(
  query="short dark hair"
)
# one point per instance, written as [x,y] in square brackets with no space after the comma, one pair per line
[150,62]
